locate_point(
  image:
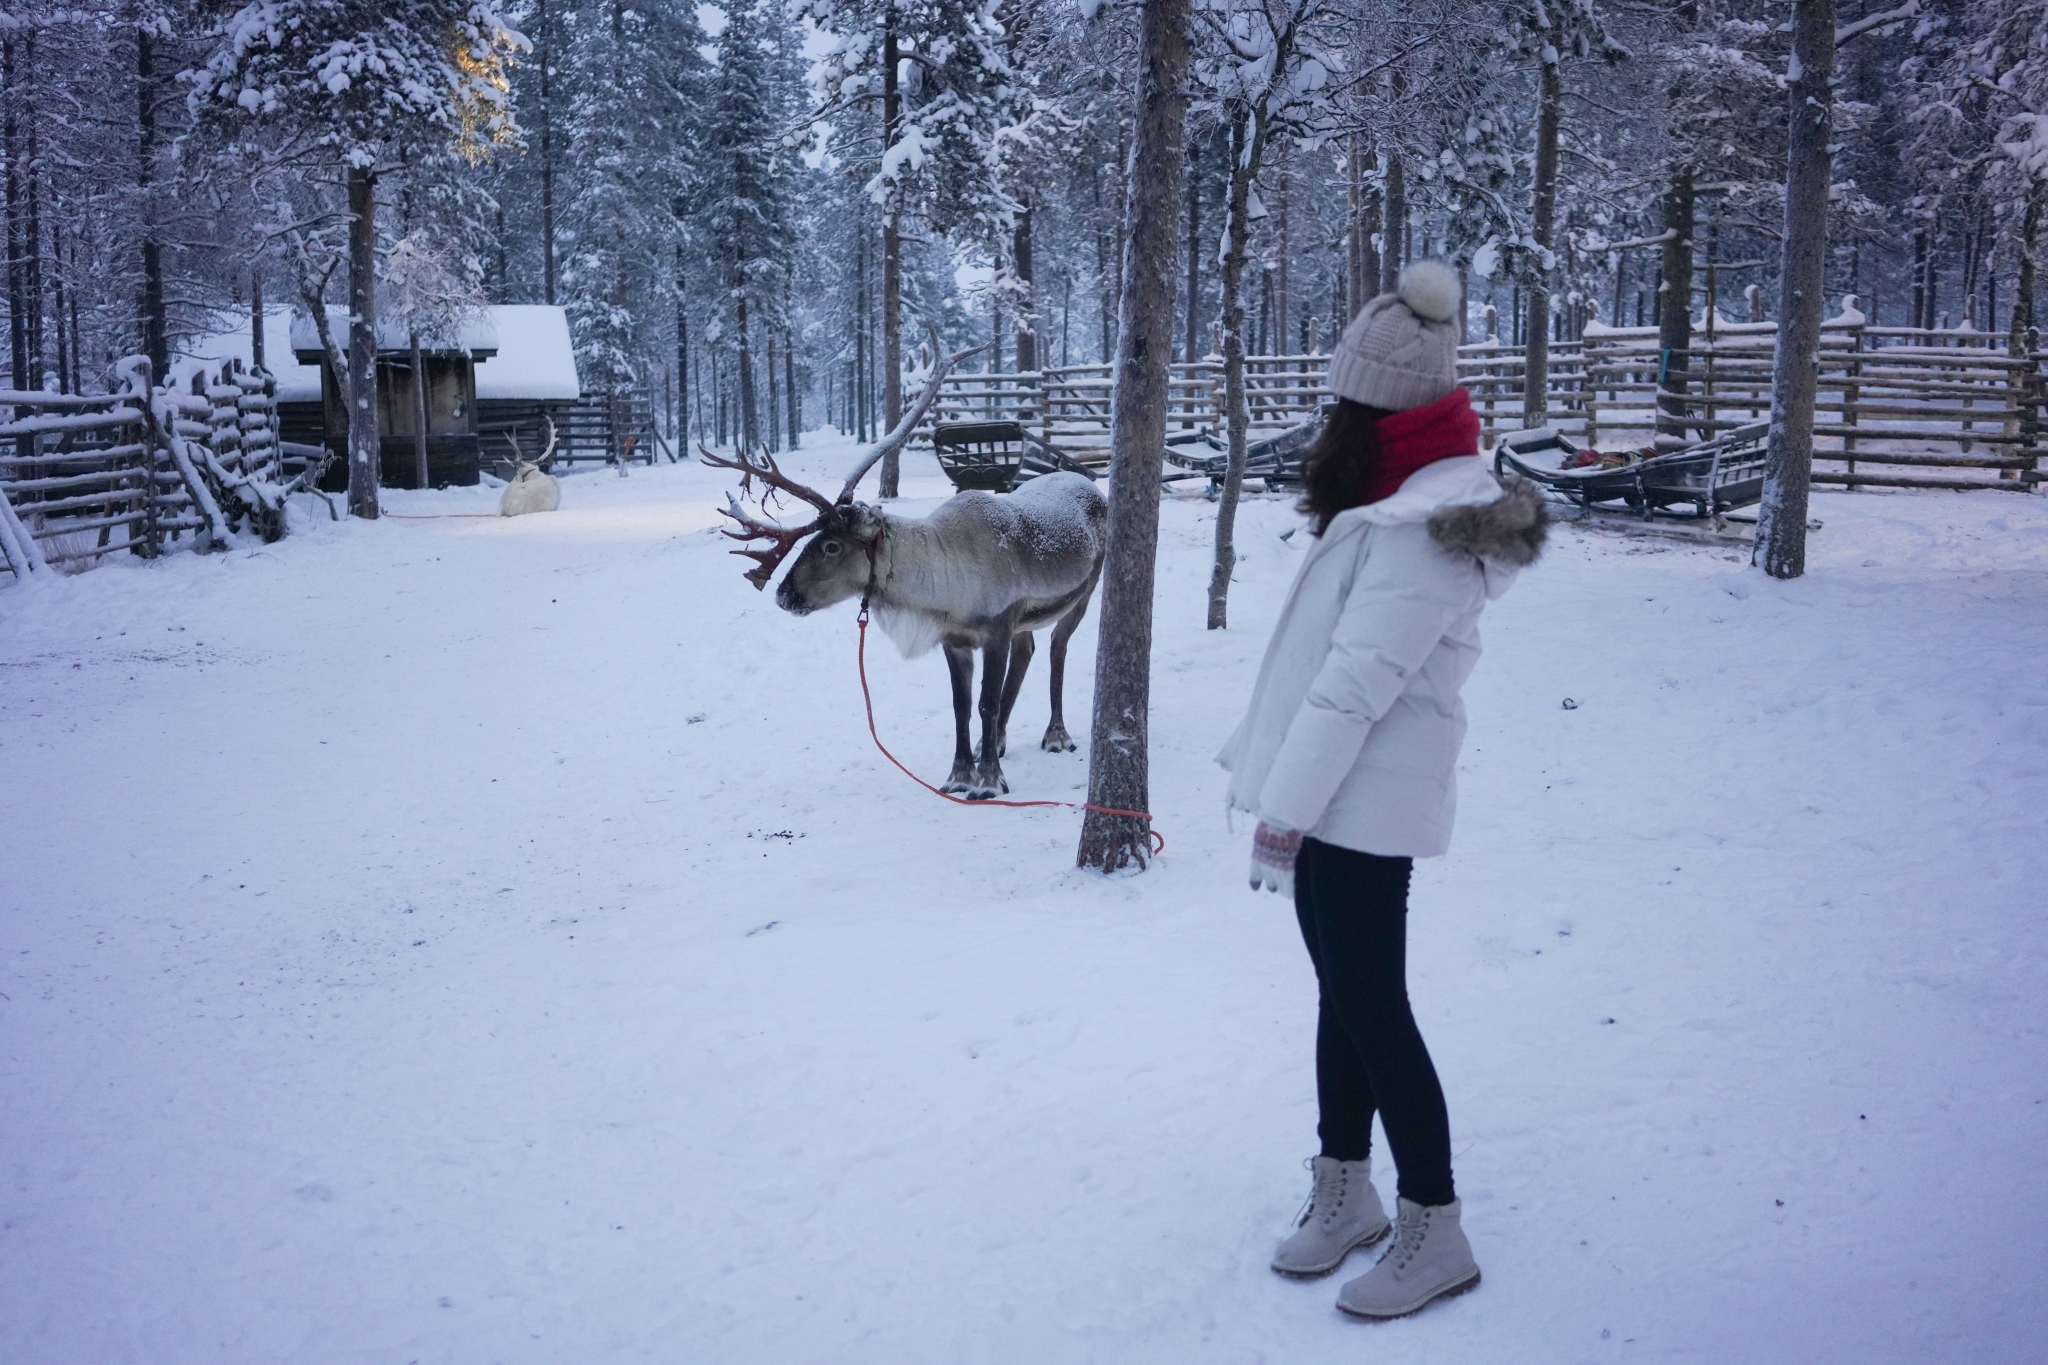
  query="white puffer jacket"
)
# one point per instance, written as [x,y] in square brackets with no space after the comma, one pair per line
[1355,723]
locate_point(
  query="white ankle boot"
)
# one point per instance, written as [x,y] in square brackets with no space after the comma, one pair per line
[1343,1212]
[1429,1259]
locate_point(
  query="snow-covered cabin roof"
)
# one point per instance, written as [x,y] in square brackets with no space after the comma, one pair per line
[296,383]
[522,350]
[479,335]
[529,357]
[535,359]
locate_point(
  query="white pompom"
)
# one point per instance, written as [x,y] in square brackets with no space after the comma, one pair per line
[1430,288]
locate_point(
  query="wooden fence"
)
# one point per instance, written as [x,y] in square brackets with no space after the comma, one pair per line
[142,470]
[1894,401]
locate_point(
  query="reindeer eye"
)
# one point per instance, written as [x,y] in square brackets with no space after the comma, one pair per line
[833,547]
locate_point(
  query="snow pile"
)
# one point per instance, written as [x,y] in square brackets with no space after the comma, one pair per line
[498,939]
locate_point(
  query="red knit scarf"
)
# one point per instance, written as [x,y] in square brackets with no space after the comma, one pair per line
[1443,430]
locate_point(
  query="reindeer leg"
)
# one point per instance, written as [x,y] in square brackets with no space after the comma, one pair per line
[988,767]
[1056,737]
[1021,645]
[960,664]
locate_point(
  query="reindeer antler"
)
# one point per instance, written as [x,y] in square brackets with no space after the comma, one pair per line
[784,538]
[900,437]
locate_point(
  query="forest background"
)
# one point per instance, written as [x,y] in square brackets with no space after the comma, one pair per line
[749,211]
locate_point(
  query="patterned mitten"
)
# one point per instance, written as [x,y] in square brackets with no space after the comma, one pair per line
[1274,849]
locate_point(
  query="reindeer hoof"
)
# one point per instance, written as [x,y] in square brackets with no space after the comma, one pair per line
[1058,741]
[987,788]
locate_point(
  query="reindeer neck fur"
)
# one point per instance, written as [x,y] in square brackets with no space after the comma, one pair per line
[922,592]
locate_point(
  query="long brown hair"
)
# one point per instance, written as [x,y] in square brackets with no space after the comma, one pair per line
[1340,463]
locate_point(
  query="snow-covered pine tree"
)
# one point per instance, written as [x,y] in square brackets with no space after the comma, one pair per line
[746,208]
[634,75]
[1979,115]
[1547,33]
[1264,70]
[346,85]
[933,77]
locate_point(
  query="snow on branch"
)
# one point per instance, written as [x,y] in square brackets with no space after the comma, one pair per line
[1877,21]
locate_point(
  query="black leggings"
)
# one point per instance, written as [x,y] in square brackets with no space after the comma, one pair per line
[1353,909]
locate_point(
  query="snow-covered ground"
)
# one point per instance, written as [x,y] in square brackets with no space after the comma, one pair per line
[498,941]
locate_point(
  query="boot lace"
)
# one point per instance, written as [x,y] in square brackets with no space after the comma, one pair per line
[1408,1237]
[1326,1198]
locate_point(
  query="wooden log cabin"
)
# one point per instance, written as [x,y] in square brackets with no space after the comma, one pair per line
[449,366]
[500,395]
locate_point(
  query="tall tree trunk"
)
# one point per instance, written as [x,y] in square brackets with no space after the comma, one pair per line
[34,171]
[419,412]
[2022,339]
[774,387]
[1192,190]
[256,357]
[995,314]
[1118,765]
[1356,288]
[750,417]
[1536,356]
[155,325]
[892,271]
[1919,280]
[17,296]
[1788,467]
[796,407]
[547,163]
[1674,311]
[1105,295]
[682,433]
[363,436]
[1281,297]
[2030,244]
[1393,229]
[1027,303]
[1247,147]
[860,335]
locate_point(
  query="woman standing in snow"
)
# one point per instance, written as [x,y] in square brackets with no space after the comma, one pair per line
[1346,757]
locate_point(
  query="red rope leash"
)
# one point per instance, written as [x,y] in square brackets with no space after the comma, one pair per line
[868,699]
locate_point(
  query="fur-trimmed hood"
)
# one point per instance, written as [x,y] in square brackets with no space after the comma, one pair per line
[1468,511]
[1510,530]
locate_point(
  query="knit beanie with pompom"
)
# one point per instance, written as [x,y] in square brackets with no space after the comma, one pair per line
[1401,351]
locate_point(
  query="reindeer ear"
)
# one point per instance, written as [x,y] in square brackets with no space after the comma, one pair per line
[863,522]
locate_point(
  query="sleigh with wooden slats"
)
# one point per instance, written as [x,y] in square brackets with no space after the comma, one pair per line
[1702,482]
[995,457]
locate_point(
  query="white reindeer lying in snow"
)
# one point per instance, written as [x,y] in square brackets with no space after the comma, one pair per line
[531,490]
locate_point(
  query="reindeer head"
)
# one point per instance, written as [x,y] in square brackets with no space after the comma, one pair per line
[838,562]
[847,530]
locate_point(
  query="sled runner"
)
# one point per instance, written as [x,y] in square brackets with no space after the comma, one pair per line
[1712,478]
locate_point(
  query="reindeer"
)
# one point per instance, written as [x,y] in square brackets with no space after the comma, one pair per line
[530,490]
[982,572]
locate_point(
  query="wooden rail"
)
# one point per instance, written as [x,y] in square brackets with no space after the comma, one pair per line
[1894,398]
[141,470]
